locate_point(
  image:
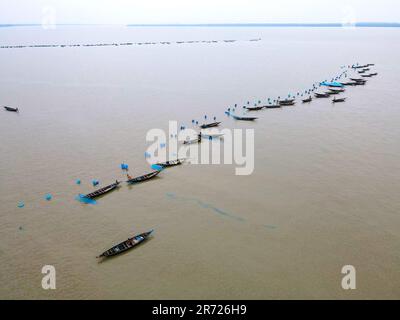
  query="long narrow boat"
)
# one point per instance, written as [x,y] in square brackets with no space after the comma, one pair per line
[374,74]
[11,109]
[339,100]
[322,95]
[254,108]
[272,106]
[103,190]
[244,118]
[307,100]
[287,103]
[366,75]
[142,178]
[357,79]
[210,125]
[171,163]
[126,245]
[337,90]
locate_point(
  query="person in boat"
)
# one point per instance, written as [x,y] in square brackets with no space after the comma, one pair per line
[129,177]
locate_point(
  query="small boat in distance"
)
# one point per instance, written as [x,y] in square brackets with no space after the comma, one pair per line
[254,108]
[374,74]
[339,100]
[142,178]
[244,118]
[287,103]
[11,109]
[103,190]
[337,90]
[210,125]
[366,75]
[357,79]
[171,163]
[322,95]
[309,99]
[126,245]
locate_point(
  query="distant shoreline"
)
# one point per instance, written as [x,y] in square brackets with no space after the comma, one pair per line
[216,25]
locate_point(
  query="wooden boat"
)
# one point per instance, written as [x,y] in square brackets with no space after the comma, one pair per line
[307,100]
[360,83]
[357,79]
[273,106]
[142,178]
[339,100]
[103,190]
[287,103]
[210,125]
[362,71]
[11,109]
[287,100]
[244,118]
[337,90]
[253,108]
[171,163]
[374,74]
[126,245]
[322,95]
[366,75]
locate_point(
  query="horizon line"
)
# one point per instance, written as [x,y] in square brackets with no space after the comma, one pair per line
[255,24]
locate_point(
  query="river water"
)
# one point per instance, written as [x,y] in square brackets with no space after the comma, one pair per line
[324,192]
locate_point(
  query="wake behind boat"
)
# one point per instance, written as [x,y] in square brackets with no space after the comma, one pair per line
[145,177]
[125,245]
[103,190]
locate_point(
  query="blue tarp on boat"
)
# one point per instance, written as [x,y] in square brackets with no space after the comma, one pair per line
[331,84]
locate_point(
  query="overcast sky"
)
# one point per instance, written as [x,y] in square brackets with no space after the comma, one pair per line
[199,11]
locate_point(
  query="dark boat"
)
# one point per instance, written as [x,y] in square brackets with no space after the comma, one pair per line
[360,83]
[126,245]
[357,79]
[362,71]
[374,74]
[103,190]
[336,91]
[273,106]
[287,103]
[307,100]
[11,109]
[322,95]
[142,178]
[253,108]
[244,118]
[339,100]
[210,125]
[366,75]
[171,163]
